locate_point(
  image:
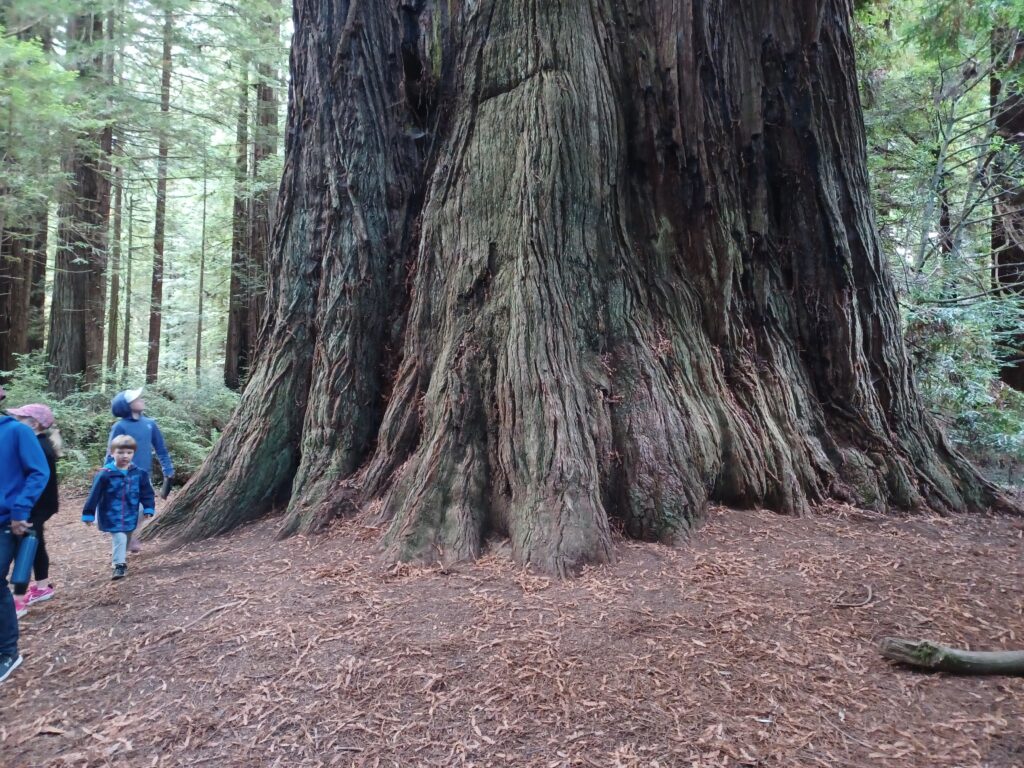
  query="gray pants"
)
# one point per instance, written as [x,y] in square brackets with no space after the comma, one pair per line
[119,542]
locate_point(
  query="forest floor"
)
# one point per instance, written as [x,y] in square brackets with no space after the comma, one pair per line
[754,646]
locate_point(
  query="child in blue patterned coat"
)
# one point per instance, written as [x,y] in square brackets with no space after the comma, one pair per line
[113,503]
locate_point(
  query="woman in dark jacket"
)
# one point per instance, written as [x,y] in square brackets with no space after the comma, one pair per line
[40,419]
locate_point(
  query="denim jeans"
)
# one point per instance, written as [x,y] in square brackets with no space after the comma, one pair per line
[8,618]
[119,548]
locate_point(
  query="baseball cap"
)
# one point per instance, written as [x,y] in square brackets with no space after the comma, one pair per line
[130,395]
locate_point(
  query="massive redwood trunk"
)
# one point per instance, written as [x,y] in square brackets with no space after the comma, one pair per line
[544,268]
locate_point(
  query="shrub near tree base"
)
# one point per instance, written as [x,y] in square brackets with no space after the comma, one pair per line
[537,265]
[190,418]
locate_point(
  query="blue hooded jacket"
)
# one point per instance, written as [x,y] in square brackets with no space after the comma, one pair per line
[23,470]
[146,434]
[115,497]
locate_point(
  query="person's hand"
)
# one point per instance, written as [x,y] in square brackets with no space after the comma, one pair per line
[20,527]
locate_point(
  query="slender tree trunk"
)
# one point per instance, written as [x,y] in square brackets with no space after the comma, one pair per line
[15,283]
[75,341]
[1008,220]
[238,346]
[202,287]
[116,37]
[114,309]
[126,343]
[14,276]
[264,146]
[538,266]
[37,281]
[156,294]
[37,248]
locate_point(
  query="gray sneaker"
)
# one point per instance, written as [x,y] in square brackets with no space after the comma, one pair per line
[120,571]
[8,664]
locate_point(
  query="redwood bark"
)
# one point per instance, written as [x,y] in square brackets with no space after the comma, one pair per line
[540,266]
[1008,214]
[37,281]
[15,284]
[114,309]
[22,285]
[156,290]
[237,344]
[128,256]
[264,147]
[115,35]
[22,239]
[78,303]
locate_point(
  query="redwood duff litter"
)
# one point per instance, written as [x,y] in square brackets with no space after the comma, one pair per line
[755,645]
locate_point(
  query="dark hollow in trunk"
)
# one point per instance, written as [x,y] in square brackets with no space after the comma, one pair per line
[540,268]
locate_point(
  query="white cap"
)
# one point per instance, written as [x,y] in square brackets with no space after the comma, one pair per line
[131,395]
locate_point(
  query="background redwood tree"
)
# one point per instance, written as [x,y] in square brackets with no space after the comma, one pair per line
[1008,218]
[77,312]
[538,267]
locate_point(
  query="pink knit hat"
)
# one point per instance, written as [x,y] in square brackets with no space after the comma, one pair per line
[37,411]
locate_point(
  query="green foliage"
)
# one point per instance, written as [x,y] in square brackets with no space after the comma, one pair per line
[39,104]
[937,165]
[190,417]
[954,349]
[956,29]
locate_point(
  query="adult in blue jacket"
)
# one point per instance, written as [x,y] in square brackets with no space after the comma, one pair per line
[23,476]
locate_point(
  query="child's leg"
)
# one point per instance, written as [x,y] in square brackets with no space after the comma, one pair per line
[119,543]
[41,565]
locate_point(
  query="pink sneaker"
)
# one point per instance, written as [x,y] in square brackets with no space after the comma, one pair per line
[37,594]
[21,604]
[134,545]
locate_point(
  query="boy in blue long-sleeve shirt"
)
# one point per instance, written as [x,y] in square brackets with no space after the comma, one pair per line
[113,503]
[23,476]
[129,407]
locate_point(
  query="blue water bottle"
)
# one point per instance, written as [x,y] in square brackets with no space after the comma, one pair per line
[23,563]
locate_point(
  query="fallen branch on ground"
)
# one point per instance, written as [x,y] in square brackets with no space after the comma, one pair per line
[941,658]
